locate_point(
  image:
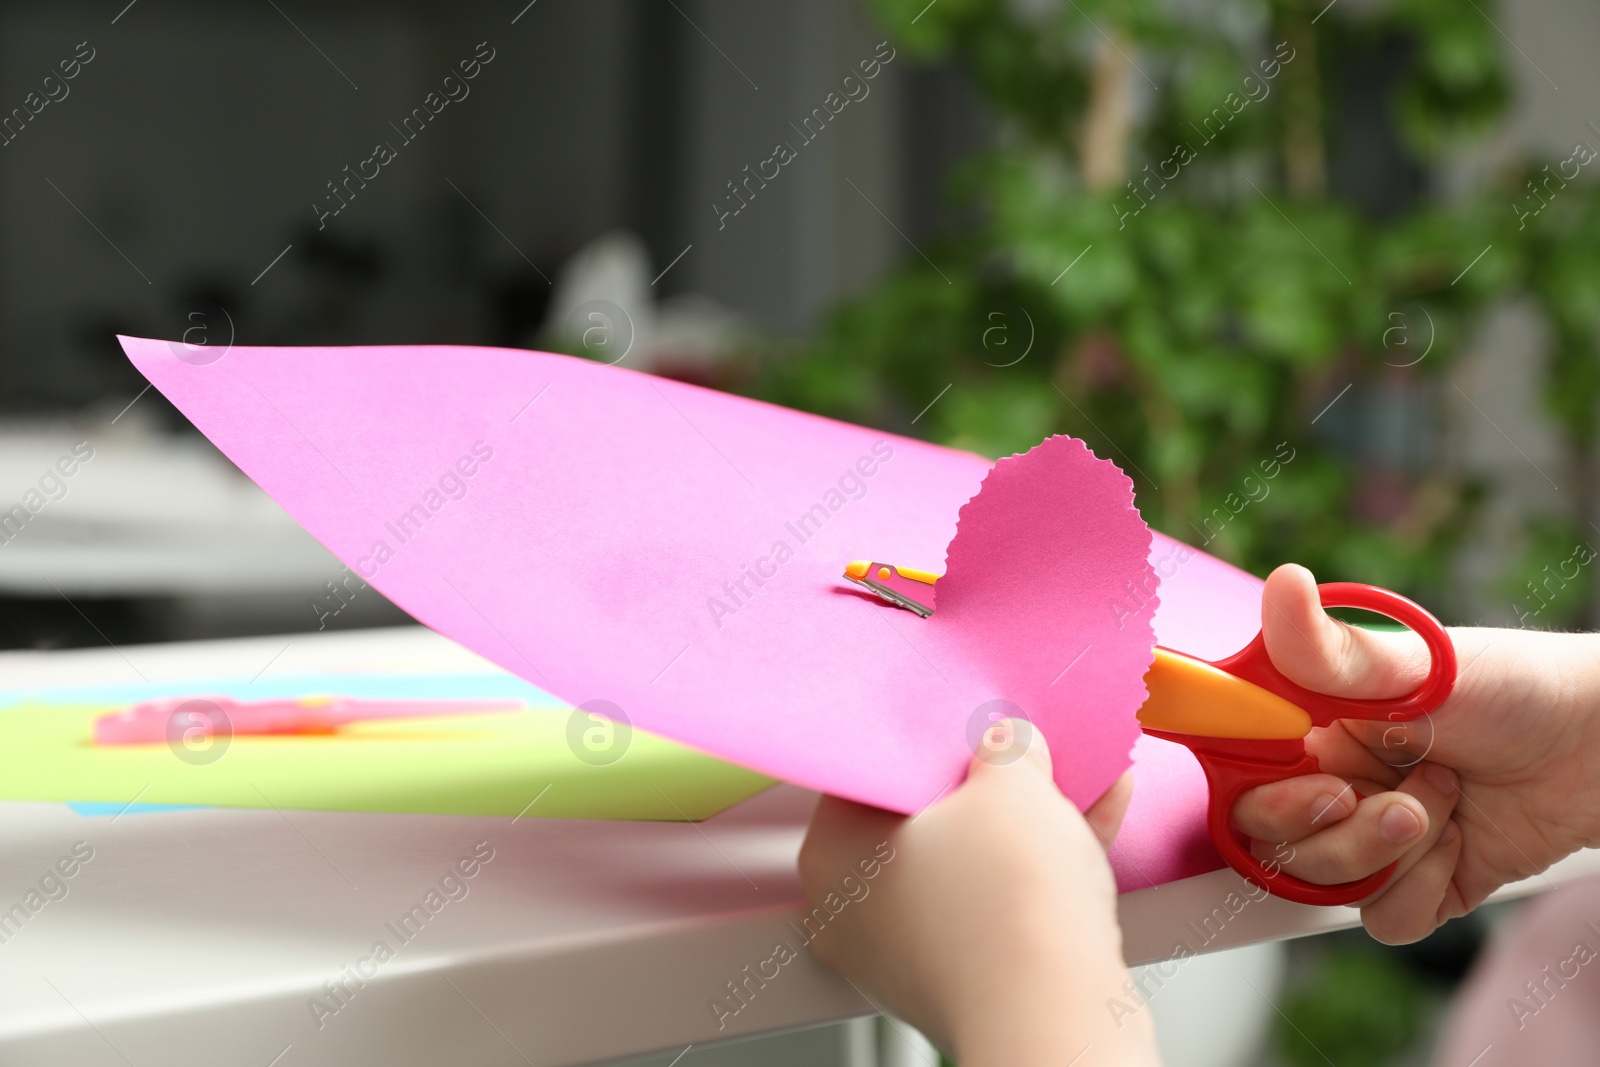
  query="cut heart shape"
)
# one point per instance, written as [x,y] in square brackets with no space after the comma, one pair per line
[1047,585]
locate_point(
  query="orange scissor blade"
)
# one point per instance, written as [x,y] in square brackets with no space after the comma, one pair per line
[1191,696]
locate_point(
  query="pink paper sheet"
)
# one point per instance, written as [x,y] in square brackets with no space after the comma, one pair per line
[677,551]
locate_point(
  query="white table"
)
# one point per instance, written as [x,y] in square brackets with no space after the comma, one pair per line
[149,514]
[198,936]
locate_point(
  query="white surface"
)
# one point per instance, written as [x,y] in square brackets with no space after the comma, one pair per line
[148,514]
[197,937]
[900,1045]
[1213,1010]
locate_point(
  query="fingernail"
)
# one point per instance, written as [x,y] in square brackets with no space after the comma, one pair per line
[1327,808]
[1441,777]
[1449,834]
[1399,824]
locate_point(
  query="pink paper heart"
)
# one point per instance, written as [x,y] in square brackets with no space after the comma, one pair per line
[1047,584]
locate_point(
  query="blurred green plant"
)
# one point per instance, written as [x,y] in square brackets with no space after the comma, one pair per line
[1163,268]
[1361,1008]
[1554,578]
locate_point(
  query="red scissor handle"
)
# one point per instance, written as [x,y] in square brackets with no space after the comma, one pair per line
[1253,665]
[1236,764]
[1232,767]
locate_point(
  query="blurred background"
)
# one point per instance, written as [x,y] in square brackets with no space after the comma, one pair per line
[1324,278]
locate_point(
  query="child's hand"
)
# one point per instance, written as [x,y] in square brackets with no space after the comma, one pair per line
[990,923]
[1498,784]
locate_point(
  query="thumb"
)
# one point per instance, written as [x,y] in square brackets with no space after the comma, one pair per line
[1325,655]
[1105,815]
[1010,742]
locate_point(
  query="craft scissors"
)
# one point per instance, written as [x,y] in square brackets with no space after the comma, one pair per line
[1244,721]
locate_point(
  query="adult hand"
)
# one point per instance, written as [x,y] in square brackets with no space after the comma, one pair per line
[1496,785]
